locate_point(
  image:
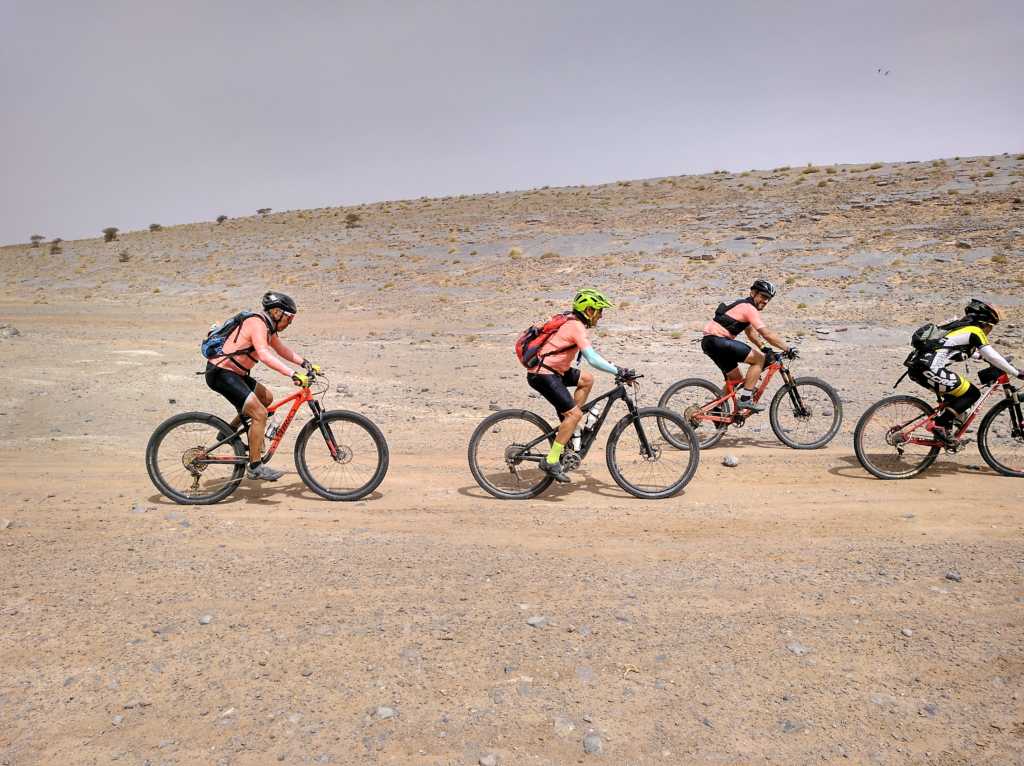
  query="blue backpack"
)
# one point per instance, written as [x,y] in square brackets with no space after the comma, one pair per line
[213,345]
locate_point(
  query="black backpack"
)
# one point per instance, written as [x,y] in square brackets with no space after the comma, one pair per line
[927,337]
[212,345]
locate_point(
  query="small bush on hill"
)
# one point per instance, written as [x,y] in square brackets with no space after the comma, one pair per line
[110,233]
[221,218]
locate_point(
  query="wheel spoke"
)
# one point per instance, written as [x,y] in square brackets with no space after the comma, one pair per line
[1004,442]
[183,462]
[884,438]
[501,462]
[354,464]
[659,468]
[806,415]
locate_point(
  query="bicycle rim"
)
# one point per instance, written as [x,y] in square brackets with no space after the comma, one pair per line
[172,454]
[644,462]
[496,452]
[357,465]
[812,420]
[689,398]
[880,439]
[1001,441]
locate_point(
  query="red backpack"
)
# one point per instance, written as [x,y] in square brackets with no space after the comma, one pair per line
[533,338]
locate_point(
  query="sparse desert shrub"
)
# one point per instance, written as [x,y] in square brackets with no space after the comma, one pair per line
[56,241]
[874,165]
[55,249]
[783,169]
[549,255]
[155,227]
[352,220]
[952,191]
[263,210]
[123,256]
[801,305]
[989,173]
[810,169]
[830,171]
[675,335]
[110,233]
[999,258]
[822,182]
[515,252]
[35,239]
[221,219]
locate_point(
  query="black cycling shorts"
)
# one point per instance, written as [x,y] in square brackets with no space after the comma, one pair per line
[232,386]
[724,352]
[555,388]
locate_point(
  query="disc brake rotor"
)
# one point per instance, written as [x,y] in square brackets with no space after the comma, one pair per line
[344,454]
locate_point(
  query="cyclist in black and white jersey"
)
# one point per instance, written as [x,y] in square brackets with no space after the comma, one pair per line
[965,338]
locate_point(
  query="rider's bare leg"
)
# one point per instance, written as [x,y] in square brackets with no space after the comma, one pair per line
[756,361]
[265,397]
[583,388]
[570,420]
[257,413]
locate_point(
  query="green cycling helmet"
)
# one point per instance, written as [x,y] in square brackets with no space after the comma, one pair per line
[588,298]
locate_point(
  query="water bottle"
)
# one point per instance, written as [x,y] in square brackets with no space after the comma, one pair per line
[272,426]
[577,438]
[593,415]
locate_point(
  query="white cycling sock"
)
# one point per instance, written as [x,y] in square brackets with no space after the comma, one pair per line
[746,393]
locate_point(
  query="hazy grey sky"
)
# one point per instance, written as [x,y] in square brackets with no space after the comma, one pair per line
[129,113]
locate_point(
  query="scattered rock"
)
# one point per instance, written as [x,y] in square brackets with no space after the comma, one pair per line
[592,744]
[823,330]
[494,407]
[797,648]
[116,720]
[206,619]
[537,621]
[931,710]
[907,632]
[564,726]
[963,244]
[8,331]
[6,523]
[488,760]
[730,461]
[135,704]
[137,508]
[953,575]
[383,713]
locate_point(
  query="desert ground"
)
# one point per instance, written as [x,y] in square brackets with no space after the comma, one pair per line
[790,610]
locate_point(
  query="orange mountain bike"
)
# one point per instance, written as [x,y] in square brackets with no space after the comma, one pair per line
[804,414]
[893,438]
[196,458]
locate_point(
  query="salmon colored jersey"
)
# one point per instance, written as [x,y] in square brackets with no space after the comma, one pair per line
[572,337]
[743,312]
[266,348]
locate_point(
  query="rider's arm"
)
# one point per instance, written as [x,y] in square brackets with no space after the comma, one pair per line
[772,337]
[283,351]
[598,362]
[266,354]
[996,359]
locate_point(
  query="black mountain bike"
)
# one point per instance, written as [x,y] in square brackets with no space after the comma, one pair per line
[506,449]
[195,458]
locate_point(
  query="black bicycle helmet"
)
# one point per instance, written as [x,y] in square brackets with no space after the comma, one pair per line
[764,287]
[274,300]
[983,312]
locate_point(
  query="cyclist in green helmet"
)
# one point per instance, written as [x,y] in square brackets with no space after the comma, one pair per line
[558,369]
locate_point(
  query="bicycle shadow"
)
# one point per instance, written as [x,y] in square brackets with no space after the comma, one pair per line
[268,495]
[729,440]
[854,470]
[560,493]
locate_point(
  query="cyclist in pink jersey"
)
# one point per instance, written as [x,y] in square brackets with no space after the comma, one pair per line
[719,341]
[558,371]
[257,340]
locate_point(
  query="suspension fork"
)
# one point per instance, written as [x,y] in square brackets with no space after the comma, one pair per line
[325,431]
[645,444]
[794,395]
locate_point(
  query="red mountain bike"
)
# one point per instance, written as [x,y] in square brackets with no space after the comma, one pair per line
[804,414]
[195,458]
[893,438]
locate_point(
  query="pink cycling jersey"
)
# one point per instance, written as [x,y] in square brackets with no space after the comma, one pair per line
[266,348]
[572,339]
[743,312]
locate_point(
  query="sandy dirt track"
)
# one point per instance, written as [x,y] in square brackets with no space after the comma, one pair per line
[791,610]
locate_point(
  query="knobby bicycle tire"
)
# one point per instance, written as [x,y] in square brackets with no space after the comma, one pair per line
[178,464]
[881,460]
[341,464]
[782,397]
[665,450]
[533,481]
[708,432]
[985,436]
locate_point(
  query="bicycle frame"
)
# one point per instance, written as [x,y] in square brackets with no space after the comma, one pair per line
[730,393]
[590,435]
[1003,381]
[300,397]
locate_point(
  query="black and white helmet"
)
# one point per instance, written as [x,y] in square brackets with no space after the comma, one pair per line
[983,312]
[764,287]
[274,300]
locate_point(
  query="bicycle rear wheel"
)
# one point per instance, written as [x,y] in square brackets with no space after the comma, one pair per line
[1001,439]
[341,456]
[690,398]
[881,438]
[499,460]
[175,449]
[644,462]
[806,415]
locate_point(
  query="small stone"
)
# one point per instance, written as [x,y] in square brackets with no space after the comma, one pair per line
[383,712]
[6,523]
[494,407]
[823,330]
[730,461]
[307,673]
[907,632]
[227,713]
[116,720]
[797,648]
[931,710]
[8,331]
[564,726]
[592,744]
[953,575]
[537,621]
[135,703]
[963,244]
[206,619]
[139,508]
[488,760]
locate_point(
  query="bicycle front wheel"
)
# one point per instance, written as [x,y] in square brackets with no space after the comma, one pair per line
[499,459]
[807,414]
[644,462]
[186,466]
[1001,439]
[691,398]
[881,439]
[341,456]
